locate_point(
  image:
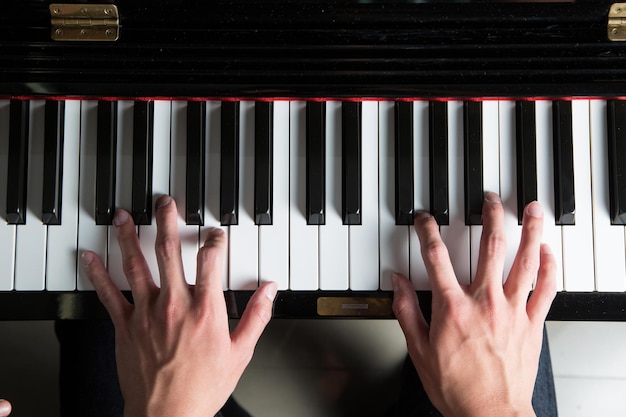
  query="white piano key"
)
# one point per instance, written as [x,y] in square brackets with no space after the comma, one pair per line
[303,239]
[608,240]
[552,233]
[274,239]
[491,170]
[394,240]
[189,235]
[333,247]
[90,236]
[457,235]
[578,268]
[364,249]
[508,181]
[30,250]
[62,239]
[160,180]
[7,231]
[421,190]
[123,187]
[244,237]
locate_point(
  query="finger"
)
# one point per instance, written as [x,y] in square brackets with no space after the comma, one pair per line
[255,318]
[167,246]
[134,264]
[541,299]
[526,264]
[5,408]
[435,255]
[492,244]
[210,269]
[109,295]
[408,313]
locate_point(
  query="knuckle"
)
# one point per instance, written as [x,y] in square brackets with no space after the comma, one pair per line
[133,265]
[435,251]
[528,264]
[167,246]
[494,243]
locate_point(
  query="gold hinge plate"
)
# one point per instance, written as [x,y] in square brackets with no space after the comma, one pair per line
[84,22]
[617,22]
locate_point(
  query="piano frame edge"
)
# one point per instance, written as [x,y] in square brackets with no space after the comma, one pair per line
[48,305]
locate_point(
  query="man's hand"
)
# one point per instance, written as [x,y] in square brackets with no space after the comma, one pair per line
[5,408]
[480,354]
[175,353]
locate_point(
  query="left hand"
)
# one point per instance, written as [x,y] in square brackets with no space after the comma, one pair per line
[175,353]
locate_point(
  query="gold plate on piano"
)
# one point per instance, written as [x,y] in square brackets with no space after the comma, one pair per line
[84,22]
[354,307]
[617,22]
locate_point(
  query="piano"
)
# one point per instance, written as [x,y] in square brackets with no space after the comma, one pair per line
[310,131]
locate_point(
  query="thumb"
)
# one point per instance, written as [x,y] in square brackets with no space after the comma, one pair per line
[255,318]
[5,408]
[407,310]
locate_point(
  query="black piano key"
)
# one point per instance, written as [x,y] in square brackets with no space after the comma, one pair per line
[525,130]
[106,162]
[263,162]
[473,149]
[17,165]
[143,134]
[438,137]
[229,164]
[196,136]
[315,162]
[404,162]
[351,164]
[616,128]
[54,132]
[564,200]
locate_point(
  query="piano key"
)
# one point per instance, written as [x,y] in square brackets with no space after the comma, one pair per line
[546,164]
[303,239]
[364,248]
[473,149]
[7,231]
[159,116]
[143,137]
[61,257]
[106,162]
[244,238]
[578,251]
[189,234]
[90,236]
[263,162]
[490,168]
[565,205]
[616,119]
[526,155]
[394,240]
[30,250]
[421,192]
[196,136]
[609,249]
[456,235]
[229,188]
[438,148]
[53,162]
[333,235]
[123,189]
[17,171]
[508,181]
[315,162]
[274,240]
[404,162]
[351,167]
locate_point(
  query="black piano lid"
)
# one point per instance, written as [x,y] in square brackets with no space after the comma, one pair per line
[308,49]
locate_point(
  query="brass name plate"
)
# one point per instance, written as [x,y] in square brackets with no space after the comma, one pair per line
[354,307]
[84,22]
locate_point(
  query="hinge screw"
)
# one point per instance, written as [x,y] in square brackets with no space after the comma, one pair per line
[58,32]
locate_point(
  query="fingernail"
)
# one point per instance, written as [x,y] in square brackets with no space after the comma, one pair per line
[534,209]
[163,201]
[87,258]
[215,233]
[270,291]
[422,215]
[120,218]
[492,198]
[395,281]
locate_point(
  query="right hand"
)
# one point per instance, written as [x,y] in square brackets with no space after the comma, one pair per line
[5,408]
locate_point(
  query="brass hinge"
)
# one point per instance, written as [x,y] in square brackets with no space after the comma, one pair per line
[617,22]
[84,22]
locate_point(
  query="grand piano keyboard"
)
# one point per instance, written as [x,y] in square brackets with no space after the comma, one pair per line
[315,195]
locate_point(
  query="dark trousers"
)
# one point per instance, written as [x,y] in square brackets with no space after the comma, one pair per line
[89,386]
